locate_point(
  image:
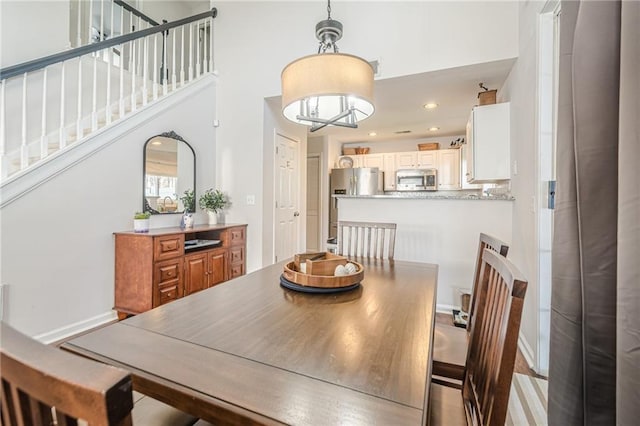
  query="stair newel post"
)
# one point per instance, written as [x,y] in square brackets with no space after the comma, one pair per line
[94,93]
[43,124]
[182,58]
[190,52]
[173,61]
[155,66]
[63,133]
[3,132]
[24,149]
[79,119]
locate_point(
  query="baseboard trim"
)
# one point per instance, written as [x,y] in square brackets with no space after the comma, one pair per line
[446,309]
[76,328]
[526,351]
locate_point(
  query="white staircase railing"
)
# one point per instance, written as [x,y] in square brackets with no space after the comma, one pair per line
[49,104]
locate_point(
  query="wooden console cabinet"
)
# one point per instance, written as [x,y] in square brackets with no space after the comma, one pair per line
[157,267]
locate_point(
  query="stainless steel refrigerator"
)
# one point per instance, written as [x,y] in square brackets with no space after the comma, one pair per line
[357,181]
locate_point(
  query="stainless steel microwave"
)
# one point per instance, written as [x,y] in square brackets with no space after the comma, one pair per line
[417,180]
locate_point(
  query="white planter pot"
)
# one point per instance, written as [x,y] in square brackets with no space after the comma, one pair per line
[213,217]
[141,225]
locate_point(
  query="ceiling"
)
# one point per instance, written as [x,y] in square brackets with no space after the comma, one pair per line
[399,103]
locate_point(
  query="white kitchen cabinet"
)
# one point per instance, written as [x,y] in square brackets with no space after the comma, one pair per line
[448,165]
[416,160]
[427,159]
[464,184]
[488,141]
[389,171]
[373,160]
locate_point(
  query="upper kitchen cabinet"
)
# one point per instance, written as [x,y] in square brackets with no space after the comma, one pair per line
[416,160]
[488,142]
[448,161]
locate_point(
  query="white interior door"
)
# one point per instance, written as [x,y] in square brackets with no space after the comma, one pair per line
[314,167]
[287,214]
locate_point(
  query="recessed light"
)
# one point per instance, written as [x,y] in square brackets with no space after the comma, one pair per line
[373,134]
[433,129]
[430,105]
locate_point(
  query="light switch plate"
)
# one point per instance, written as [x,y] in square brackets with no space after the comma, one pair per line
[251,200]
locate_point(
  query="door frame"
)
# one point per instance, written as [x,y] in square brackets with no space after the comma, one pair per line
[274,212]
[320,196]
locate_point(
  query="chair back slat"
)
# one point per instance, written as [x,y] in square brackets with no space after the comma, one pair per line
[493,340]
[41,384]
[370,239]
[485,242]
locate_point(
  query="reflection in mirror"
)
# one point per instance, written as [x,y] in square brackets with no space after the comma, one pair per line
[169,170]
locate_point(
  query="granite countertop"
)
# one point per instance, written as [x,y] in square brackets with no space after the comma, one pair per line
[435,195]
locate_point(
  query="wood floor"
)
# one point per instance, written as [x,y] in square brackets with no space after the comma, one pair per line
[521,365]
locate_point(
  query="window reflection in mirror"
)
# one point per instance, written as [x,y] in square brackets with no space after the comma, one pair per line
[169,171]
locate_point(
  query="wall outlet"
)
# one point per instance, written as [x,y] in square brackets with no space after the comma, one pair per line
[251,200]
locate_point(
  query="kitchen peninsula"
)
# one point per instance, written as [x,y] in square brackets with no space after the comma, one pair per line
[439,227]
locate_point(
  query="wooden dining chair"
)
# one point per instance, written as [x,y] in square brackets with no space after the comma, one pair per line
[366,239]
[42,385]
[484,397]
[451,343]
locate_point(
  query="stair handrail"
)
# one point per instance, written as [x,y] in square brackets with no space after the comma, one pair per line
[136,12]
[40,63]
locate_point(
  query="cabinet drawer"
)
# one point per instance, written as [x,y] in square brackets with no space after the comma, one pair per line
[167,294]
[168,247]
[168,272]
[236,236]
[236,270]
[236,254]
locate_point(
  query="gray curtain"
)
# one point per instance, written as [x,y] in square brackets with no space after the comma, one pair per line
[594,372]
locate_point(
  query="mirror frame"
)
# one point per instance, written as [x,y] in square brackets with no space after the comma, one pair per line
[171,135]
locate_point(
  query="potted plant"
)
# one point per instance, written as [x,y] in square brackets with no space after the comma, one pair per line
[141,221]
[213,202]
[189,202]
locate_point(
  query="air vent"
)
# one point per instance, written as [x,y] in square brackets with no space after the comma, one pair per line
[402,132]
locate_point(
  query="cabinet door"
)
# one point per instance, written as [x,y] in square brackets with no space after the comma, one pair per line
[490,143]
[217,267]
[389,171]
[196,273]
[427,159]
[448,169]
[167,281]
[373,160]
[358,161]
[406,160]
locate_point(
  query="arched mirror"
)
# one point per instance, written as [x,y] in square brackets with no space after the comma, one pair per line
[169,171]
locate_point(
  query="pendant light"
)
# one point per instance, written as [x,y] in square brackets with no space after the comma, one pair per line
[329,88]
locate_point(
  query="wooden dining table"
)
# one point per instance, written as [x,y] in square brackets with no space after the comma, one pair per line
[250,351]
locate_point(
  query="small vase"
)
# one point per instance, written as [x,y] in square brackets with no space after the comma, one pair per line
[187,220]
[213,217]
[141,225]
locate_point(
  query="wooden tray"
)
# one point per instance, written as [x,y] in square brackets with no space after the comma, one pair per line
[291,274]
[322,263]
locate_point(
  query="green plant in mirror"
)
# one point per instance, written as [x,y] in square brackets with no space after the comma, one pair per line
[142,215]
[212,200]
[189,201]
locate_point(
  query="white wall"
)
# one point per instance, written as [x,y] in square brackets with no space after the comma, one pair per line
[255,40]
[521,89]
[32,29]
[444,232]
[57,253]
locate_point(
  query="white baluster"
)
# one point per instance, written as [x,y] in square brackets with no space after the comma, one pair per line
[205,62]
[133,76]
[101,21]
[211,45]
[121,23]
[173,60]
[4,169]
[108,107]
[90,20]
[94,94]
[182,59]
[197,49]
[121,97]
[62,140]
[24,149]
[79,26]
[155,66]
[43,128]
[79,122]
[111,27]
[190,52]
[165,74]
[145,71]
